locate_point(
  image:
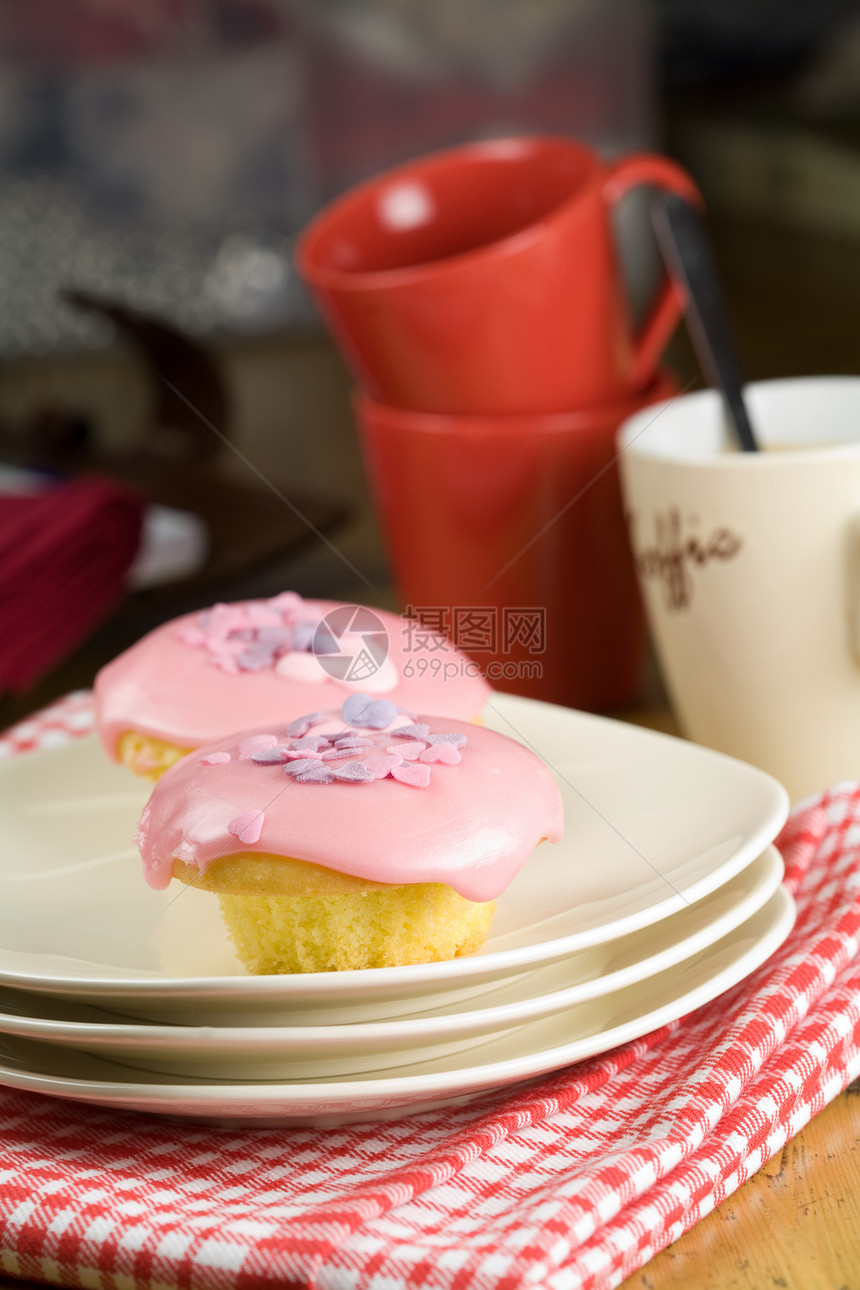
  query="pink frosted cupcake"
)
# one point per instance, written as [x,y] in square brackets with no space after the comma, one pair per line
[232,667]
[352,839]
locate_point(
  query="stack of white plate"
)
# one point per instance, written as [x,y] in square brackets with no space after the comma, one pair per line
[664,893]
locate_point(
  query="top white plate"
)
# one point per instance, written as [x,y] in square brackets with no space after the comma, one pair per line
[652,825]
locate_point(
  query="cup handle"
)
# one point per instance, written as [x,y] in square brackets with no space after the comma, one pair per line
[632,171]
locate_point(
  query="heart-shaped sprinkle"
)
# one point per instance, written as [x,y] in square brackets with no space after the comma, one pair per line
[411,773]
[226,662]
[300,754]
[271,756]
[335,754]
[192,636]
[370,714]
[256,744]
[454,737]
[286,603]
[379,767]
[443,752]
[262,616]
[310,743]
[353,741]
[353,772]
[247,828]
[353,706]
[411,751]
[302,725]
[301,765]
[317,774]
[419,731]
[215,759]
[303,637]
[255,658]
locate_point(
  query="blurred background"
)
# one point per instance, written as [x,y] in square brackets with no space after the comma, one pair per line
[158,160]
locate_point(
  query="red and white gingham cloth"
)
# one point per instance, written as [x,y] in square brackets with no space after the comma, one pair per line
[567,1183]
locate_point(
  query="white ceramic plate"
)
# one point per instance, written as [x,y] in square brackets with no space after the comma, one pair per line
[296,1052]
[652,825]
[532,1050]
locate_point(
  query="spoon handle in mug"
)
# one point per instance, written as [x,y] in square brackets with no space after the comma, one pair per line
[681,233]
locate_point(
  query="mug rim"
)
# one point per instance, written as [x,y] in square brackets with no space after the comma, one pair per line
[323,276]
[634,426]
[662,391]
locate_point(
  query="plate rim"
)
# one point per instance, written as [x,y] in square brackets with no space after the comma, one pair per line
[361,1094]
[84,1034]
[447,973]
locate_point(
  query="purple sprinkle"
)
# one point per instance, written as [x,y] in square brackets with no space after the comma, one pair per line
[353,707]
[301,766]
[353,741]
[302,725]
[254,660]
[303,637]
[271,756]
[378,715]
[353,772]
[273,638]
[318,774]
[311,743]
[413,732]
[454,737]
[335,754]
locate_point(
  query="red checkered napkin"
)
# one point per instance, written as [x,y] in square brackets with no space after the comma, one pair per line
[570,1182]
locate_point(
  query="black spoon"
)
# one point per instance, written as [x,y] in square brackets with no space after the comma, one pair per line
[684,242]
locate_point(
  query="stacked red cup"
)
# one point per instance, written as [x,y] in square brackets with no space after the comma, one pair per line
[476,294]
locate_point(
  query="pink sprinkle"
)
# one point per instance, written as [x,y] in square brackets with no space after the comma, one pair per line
[248,827]
[256,744]
[446,753]
[261,615]
[287,604]
[297,754]
[226,662]
[416,776]
[411,751]
[192,636]
[226,619]
[379,767]
[215,759]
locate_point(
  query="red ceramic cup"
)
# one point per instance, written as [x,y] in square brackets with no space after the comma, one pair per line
[485,279]
[507,534]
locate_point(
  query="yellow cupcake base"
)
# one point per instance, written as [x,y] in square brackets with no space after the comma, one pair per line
[146,755]
[382,927]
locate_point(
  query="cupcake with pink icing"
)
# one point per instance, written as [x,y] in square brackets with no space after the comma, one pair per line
[198,678]
[354,838]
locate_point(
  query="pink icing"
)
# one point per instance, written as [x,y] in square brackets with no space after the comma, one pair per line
[175,683]
[472,825]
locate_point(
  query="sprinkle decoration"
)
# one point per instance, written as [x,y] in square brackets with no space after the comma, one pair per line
[256,744]
[447,754]
[248,827]
[331,759]
[253,636]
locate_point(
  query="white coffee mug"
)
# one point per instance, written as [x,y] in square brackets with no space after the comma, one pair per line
[749,565]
